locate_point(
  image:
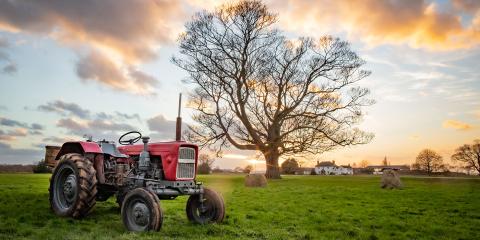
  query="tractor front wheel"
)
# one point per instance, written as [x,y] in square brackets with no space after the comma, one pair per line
[141,211]
[210,210]
[73,186]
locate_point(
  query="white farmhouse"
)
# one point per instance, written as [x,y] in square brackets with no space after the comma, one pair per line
[329,168]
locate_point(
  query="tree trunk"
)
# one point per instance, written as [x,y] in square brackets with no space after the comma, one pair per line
[271,159]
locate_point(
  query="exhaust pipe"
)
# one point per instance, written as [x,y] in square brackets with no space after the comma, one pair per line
[178,129]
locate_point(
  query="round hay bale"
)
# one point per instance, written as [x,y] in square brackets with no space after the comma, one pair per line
[391,179]
[255,180]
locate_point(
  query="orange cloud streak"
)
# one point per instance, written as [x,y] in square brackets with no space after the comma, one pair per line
[415,22]
[458,125]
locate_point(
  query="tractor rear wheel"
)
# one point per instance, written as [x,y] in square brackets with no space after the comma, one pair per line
[73,186]
[211,211]
[141,211]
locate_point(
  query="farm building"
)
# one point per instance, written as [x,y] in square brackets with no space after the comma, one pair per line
[378,169]
[330,168]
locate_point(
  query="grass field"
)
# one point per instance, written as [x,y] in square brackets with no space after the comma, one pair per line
[296,207]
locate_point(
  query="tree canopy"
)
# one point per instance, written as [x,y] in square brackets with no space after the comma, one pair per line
[257,90]
[205,164]
[429,161]
[289,166]
[469,154]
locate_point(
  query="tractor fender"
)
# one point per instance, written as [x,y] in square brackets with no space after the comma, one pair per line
[78,147]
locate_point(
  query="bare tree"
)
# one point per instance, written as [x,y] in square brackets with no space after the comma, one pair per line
[429,161]
[289,166]
[469,155]
[256,90]
[364,163]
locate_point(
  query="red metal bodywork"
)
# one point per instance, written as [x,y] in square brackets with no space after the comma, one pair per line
[167,151]
[78,147]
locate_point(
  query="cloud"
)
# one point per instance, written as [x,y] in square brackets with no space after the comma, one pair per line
[18,129]
[36,126]
[99,68]
[458,125]
[128,116]
[7,66]
[74,110]
[118,116]
[420,24]
[127,33]
[14,123]
[164,129]
[96,128]
[5,137]
[79,121]
[65,109]
[470,6]
[12,135]
[10,68]
[19,156]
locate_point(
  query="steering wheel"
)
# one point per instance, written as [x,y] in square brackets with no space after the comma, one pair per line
[131,140]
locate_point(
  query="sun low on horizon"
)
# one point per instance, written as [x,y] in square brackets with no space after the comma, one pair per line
[102,68]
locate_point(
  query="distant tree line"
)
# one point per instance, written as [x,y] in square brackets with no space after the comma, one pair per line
[467,156]
[38,167]
[205,166]
[10,168]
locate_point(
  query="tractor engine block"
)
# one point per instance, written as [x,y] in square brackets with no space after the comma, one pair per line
[121,172]
[115,172]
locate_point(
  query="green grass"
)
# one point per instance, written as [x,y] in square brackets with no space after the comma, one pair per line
[296,207]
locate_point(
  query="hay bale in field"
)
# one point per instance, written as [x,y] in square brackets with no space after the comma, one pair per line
[391,179]
[255,180]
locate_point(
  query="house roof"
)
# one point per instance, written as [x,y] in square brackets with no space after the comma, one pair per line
[325,164]
[404,167]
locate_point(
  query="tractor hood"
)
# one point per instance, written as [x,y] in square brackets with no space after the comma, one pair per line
[158,148]
[167,151]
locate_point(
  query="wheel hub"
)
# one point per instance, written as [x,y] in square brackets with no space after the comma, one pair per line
[70,187]
[141,214]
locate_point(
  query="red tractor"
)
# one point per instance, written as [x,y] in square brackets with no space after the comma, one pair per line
[138,175]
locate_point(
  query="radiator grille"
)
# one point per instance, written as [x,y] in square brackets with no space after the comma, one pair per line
[186,153]
[185,170]
[186,163]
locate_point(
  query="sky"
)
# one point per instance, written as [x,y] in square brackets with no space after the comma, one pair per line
[101,68]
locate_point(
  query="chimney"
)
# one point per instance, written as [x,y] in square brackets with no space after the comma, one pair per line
[178,129]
